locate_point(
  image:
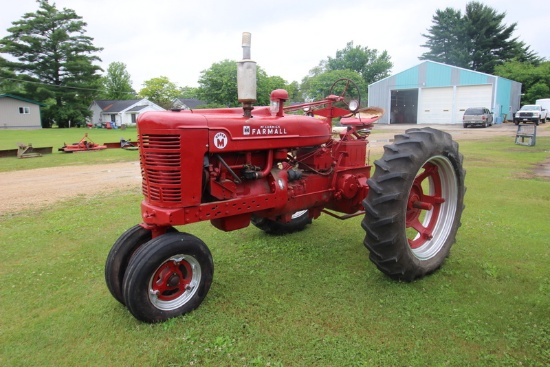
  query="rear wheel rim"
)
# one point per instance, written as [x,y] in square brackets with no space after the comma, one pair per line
[431,207]
[174,282]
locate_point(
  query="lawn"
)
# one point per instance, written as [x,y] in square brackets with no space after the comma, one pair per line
[55,138]
[307,299]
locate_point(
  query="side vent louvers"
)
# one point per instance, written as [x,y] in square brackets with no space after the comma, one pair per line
[161,167]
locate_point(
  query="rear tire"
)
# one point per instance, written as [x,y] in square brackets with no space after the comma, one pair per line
[299,221]
[168,277]
[414,204]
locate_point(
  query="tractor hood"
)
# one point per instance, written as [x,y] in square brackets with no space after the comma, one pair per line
[228,130]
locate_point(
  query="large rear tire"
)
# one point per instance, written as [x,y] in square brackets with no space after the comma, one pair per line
[299,221]
[168,277]
[414,204]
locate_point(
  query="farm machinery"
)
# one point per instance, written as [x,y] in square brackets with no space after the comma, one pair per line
[279,167]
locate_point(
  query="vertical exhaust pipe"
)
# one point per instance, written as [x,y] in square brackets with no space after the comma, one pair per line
[246,77]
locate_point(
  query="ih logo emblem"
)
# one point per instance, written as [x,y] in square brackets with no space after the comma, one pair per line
[246,130]
[220,140]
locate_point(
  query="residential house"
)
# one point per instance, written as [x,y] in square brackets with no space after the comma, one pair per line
[187,103]
[19,113]
[120,112]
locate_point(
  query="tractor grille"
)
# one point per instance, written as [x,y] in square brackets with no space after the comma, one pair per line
[161,167]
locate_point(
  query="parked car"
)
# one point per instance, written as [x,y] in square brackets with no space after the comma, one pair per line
[530,113]
[477,116]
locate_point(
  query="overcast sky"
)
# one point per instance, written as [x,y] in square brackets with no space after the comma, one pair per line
[179,39]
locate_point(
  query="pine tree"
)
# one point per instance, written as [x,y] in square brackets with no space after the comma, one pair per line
[56,60]
[477,40]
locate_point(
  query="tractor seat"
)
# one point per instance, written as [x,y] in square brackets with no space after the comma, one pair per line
[355,121]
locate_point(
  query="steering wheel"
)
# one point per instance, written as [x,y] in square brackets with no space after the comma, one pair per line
[348,91]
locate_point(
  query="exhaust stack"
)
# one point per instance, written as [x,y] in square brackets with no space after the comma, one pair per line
[246,77]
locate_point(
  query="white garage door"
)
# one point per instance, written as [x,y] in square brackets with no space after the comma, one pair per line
[435,106]
[472,96]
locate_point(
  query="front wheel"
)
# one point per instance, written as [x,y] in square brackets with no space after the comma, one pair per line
[168,277]
[119,257]
[414,204]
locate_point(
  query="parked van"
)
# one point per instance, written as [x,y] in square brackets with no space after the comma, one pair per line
[545,103]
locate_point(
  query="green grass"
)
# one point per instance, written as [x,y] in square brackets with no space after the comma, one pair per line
[55,138]
[307,299]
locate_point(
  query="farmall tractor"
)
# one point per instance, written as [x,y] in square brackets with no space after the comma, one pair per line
[279,171]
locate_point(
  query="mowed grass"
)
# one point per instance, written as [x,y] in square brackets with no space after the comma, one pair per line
[307,299]
[55,138]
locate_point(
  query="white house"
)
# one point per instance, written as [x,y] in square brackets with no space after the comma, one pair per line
[120,112]
[19,113]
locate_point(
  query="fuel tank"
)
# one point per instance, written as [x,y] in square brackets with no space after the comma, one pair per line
[230,131]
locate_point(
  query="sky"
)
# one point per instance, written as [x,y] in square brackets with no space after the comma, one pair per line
[179,39]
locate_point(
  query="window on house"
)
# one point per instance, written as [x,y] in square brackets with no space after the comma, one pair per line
[134,118]
[113,118]
[24,110]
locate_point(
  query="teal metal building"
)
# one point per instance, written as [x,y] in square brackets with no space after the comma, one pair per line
[436,93]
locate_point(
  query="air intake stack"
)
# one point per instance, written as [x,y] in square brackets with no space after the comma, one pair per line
[246,77]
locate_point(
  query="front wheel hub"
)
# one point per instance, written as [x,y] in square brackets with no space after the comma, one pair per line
[174,282]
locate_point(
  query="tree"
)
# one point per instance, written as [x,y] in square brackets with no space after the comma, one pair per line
[535,79]
[218,85]
[477,40]
[446,38]
[318,86]
[364,61]
[265,85]
[9,82]
[55,58]
[360,64]
[160,91]
[188,92]
[117,83]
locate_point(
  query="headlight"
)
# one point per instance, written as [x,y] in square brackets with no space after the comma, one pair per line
[353,105]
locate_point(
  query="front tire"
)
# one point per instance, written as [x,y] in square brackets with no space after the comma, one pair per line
[119,257]
[168,277]
[414,204]
[299,221]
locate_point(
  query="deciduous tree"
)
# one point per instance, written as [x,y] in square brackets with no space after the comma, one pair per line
[117,83]
[218,85]
[161,91]
[364,61]
[535,79]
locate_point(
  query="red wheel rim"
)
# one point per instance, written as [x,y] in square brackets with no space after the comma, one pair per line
[174,282]
[424,205]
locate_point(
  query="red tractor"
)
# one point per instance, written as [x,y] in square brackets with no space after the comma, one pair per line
[279,171]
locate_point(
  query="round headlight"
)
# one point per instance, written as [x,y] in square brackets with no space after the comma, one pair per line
[353,105]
